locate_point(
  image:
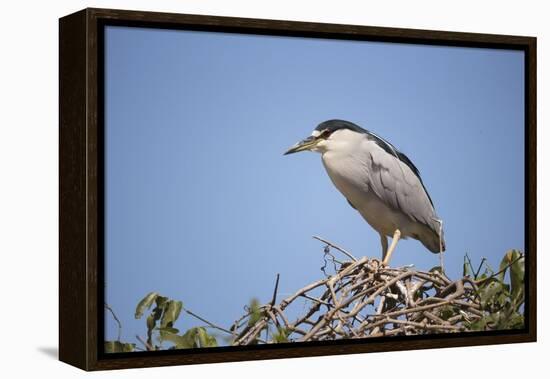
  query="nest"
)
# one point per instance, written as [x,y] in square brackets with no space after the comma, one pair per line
[361,298]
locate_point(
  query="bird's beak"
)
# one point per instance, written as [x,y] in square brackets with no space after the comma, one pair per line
[307,144]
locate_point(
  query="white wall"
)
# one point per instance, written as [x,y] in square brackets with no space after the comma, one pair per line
[28,190]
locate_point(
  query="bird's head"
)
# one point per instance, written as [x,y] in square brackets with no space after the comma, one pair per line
[326,135]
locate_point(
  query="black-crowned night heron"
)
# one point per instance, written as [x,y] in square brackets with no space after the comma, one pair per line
[379,181]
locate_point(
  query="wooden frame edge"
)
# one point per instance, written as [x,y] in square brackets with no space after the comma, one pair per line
[72,189]
[78,184]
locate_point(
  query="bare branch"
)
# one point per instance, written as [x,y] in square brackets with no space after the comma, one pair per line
[481,281]
[147,345]
[361,298]
[116,319]
[336,247]
[274,298]
[209,323]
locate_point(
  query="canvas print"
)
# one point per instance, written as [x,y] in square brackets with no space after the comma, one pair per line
[280,190]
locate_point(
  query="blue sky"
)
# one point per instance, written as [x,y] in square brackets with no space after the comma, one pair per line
[202,206]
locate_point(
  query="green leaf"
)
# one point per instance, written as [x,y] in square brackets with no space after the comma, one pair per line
[166,333]
[168,330]
[153,318]
[171,313]
[482,276]
[281,335]
[150,326]
[118,347]
[517,275]
[150,322]
[190,337]
[480,324]
[516,321]
[161,301]
[255,312]
[467,267]
[193,338]
[488,270]
[181,342]
[204,339]
[145,303]
[487,294]
[503,267]
[447,312]
[515,264]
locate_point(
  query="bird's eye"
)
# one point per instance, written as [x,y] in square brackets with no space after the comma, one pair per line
[325,134]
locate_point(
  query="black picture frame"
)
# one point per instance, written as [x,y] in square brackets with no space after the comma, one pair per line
[81,163]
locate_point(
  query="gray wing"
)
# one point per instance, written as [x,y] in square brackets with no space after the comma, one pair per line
[395,183]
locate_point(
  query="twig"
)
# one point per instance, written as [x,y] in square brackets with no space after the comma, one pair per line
[440,244]
[379,312]
[211,324]
[383,301]
[147,345]
[316,300]
[336,247]
[116,319]
[478,282]
[326,251]
[483,260]
[274,298]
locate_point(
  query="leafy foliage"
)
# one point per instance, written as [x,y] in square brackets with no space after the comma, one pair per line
[502,301]
[160,323]
[255,312]
[164,312]
[281,335]
[192,338]
[501,295]
[119,347]
[145,304]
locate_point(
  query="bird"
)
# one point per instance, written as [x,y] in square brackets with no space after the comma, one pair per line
[378,181]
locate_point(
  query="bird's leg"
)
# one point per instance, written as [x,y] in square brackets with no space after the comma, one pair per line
[384,242]
[395,239]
